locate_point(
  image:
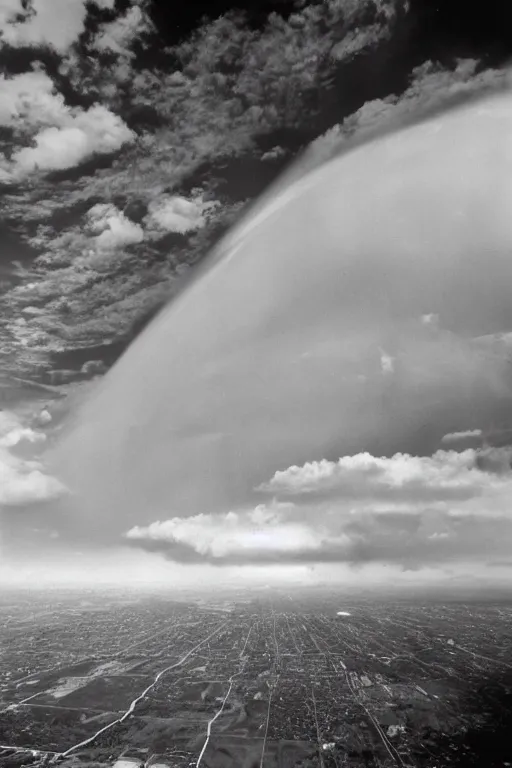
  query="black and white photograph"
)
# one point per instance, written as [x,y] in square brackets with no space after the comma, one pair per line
[255,384]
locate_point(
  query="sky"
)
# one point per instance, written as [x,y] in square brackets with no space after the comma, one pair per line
[326,395]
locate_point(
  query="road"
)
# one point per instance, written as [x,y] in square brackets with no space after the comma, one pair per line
[143,695]
[220,711]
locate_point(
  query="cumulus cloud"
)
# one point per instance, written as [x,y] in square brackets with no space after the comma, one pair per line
[445,475]
[93,367]
[13,432]
[177,214]
[54,23]
[79,136]
[22,481]
[62,136]
[22,433]
[442,508]
[113,228]
[44,417]
[276,153]
[260,535]
[30,98]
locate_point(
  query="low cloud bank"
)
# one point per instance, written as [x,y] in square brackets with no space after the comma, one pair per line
[403,510]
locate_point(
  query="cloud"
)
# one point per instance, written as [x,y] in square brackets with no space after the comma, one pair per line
[81,135]
[53,23]
[276,153]
[119,35]
[455,437]
[430,319]
[444,508]
[387,363]
[13,432]
[44,417]
[20,434]
[357,40]
[93,367]
[229,96]
[30,98]
[177,214]
[495,459]
[114,228]
[260,535]
[431,87]
[227,385]
[22,481]
[62,136]
[445,475]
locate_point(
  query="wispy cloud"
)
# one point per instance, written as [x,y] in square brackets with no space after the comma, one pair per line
[455,437]
[119,35]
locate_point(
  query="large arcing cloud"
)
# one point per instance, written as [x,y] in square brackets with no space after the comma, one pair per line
[306,339]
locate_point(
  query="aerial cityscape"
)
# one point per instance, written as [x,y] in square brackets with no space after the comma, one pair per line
[269,679]
[255,384]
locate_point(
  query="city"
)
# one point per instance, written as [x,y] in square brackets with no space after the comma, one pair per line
[262,679]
